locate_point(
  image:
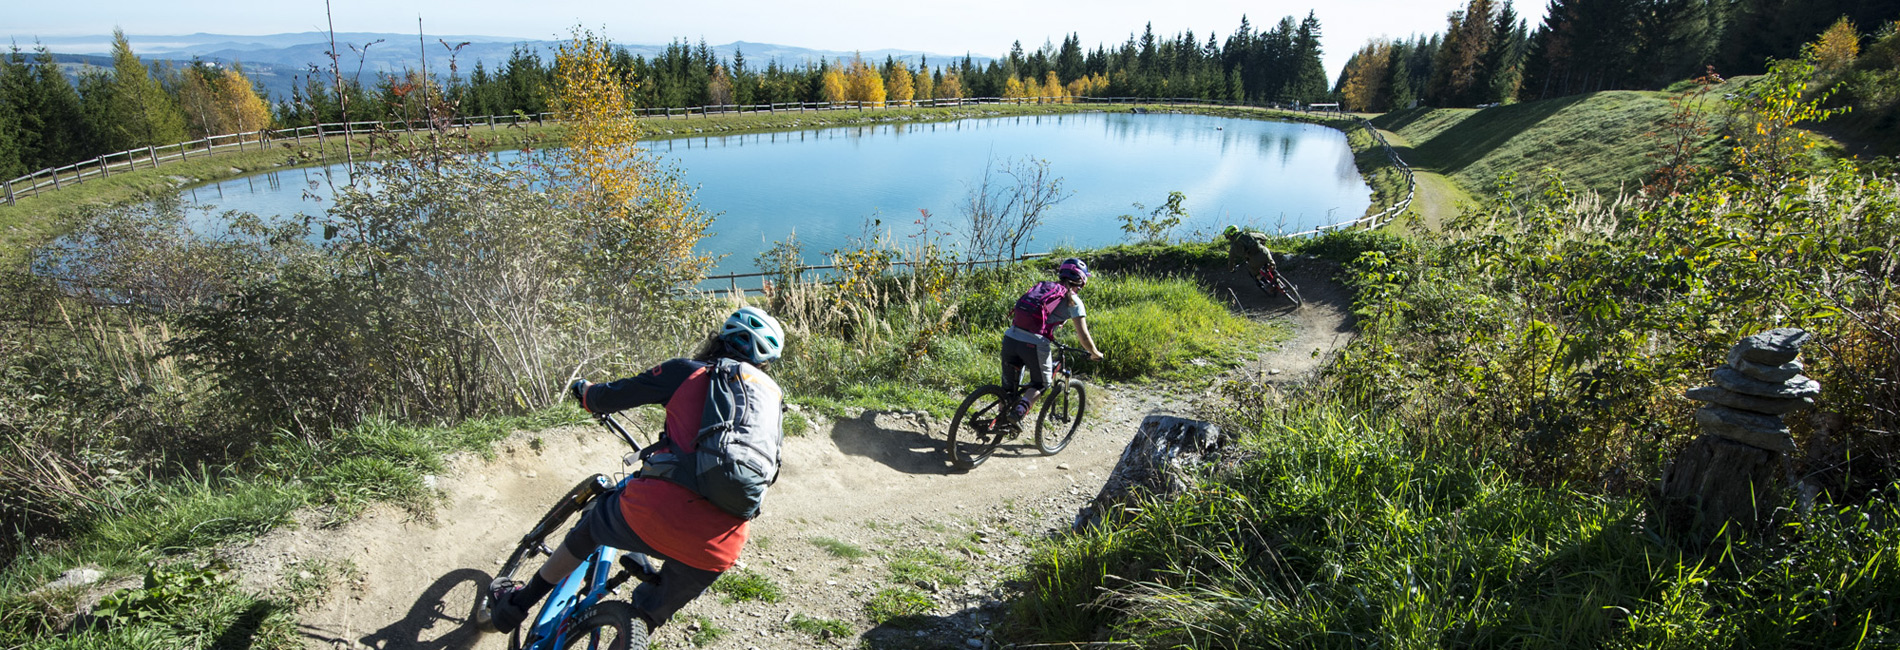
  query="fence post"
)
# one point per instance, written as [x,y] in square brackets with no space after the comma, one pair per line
[10,192]
[104,169]
[55,179]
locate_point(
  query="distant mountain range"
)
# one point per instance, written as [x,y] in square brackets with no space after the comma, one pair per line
[275,61]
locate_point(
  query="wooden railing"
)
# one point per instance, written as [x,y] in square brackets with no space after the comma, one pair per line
[732,279]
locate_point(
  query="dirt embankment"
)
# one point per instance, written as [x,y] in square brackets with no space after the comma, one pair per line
[876,482]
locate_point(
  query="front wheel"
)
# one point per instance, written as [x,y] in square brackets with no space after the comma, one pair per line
[1061,417]
[534,543]
[1286,287]
[974,434]
[608,625]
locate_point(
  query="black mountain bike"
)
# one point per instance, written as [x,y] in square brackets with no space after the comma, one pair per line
[1275,283]
[983,422]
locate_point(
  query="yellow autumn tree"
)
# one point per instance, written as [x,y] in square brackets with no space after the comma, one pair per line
[1013,88]
[1032,89]
[1052,86]
[1836,48]
[900,87]
[238,104]
[950,88]
[923,88]
[198,101]
[866,84]
[719,88]
[641,209]
[1365,86]
[835,86]
[219,102]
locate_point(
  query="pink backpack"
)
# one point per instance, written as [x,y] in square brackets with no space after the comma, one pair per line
[1034,308]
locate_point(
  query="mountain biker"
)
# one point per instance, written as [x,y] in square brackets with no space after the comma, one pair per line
[1250,247]
[650,516]
[1022,348]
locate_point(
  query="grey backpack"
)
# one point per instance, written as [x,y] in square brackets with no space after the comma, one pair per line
[737,450]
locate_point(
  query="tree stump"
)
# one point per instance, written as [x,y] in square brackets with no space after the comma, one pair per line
[1731,478]
[1165,451]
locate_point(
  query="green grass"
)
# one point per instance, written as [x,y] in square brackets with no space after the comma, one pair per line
[746,585]
[820,628]
[1347,539]
[160,521]
[913,566]
[839,548]
[899,606]
[1597,140]
[180,605]
[1164,328]
[704,632]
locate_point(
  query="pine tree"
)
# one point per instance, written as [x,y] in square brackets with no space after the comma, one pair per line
[1069,64]
[141,113]
[14,84]
[1504,63]
[1308,79]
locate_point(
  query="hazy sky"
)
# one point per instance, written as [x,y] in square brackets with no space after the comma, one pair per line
[984,27]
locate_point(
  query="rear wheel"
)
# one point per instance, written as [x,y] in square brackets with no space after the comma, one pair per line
[608,625]
[973,432]
[556,521]
[1061,417]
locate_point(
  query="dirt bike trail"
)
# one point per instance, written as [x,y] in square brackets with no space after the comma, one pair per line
[862,503]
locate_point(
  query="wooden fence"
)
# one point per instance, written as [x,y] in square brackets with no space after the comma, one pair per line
[54,178]
[732,279]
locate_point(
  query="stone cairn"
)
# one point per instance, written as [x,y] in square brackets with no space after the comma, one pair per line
[1732,475]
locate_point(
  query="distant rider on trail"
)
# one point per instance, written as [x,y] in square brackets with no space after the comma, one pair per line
[1250,247]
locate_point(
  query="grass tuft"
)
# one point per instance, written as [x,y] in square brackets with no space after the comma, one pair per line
[746,585]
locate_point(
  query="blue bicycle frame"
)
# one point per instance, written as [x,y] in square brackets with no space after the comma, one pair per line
[592,581]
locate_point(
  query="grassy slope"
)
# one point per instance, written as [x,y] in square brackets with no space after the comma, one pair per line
[1598,140]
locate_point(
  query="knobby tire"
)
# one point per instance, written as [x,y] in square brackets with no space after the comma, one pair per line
[971,440]
[1061,416]
[608,625]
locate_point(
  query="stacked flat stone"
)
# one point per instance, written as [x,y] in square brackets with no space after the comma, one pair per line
[1761,382]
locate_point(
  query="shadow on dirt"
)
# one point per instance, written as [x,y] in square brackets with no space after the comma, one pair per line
[901,442]
[441,618]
